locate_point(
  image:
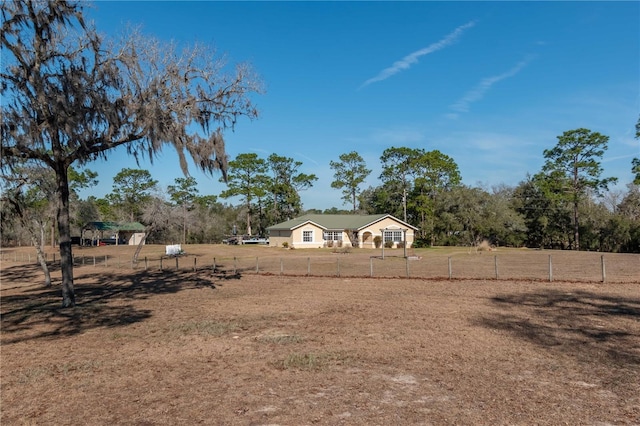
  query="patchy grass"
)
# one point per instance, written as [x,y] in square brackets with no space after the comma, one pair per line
[205,328]
[184,347]
[280,339]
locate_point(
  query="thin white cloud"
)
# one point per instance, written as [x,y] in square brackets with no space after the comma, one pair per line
[407,61]
[481,89]
[309,159]
[618,157]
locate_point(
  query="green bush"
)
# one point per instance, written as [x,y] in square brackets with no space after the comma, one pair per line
[377,241]
[421,243]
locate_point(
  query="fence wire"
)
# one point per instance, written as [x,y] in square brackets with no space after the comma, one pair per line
[534,265]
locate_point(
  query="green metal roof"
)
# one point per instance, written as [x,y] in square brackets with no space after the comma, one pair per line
[335,221]
[115,226]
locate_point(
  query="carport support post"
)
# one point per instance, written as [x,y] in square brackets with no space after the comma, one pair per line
[550,269]
[604,272]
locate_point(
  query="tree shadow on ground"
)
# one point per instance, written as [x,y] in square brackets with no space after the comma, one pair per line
[28,272]
[103,299]
[592,327]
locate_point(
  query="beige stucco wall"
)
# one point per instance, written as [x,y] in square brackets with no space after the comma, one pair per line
[277,237]
[317,236]
[294,238]
[135,238]
[389,224]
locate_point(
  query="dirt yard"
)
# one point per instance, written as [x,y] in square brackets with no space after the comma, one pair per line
[168,347]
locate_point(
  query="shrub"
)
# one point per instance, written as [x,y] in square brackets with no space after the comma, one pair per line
[329,243]
[377,241]
[285,244]
[421,243]
[388,244]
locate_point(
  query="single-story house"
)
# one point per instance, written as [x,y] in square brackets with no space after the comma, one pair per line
[125,233]
[323,230]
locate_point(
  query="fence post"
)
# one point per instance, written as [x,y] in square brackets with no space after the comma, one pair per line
[94,260]
[213,267]
[450,271]
[281,266]
[161,263]
[257,265]
[235,265]
[604,272]
[177,263]
[495,265]
[338,264]
[406,260]
[550,269]
[195,263]
[146,265]
[308,266]
[105,261]
[371,266]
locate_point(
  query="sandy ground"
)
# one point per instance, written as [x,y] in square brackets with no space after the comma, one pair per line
[182,347]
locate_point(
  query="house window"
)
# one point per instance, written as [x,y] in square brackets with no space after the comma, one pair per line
[307,236]
[395,236]
[332,235]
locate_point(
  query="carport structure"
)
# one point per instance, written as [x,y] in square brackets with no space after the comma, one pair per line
[125,233]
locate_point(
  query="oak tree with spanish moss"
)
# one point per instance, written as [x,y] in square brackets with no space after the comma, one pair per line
[70,97]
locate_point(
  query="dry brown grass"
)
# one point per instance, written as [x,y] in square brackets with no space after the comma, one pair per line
[183,347]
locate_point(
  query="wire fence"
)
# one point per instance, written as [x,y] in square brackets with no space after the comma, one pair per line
[535,265]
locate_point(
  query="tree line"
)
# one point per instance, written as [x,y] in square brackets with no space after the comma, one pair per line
[566,205]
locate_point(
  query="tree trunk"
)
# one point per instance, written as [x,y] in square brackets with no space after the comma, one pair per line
[184,223]
[42,260]
[353,195]
[576,227]
[249,219]
[140,244]
[576,199]
[64,232]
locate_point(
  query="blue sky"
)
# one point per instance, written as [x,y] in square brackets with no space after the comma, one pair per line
[491,84]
